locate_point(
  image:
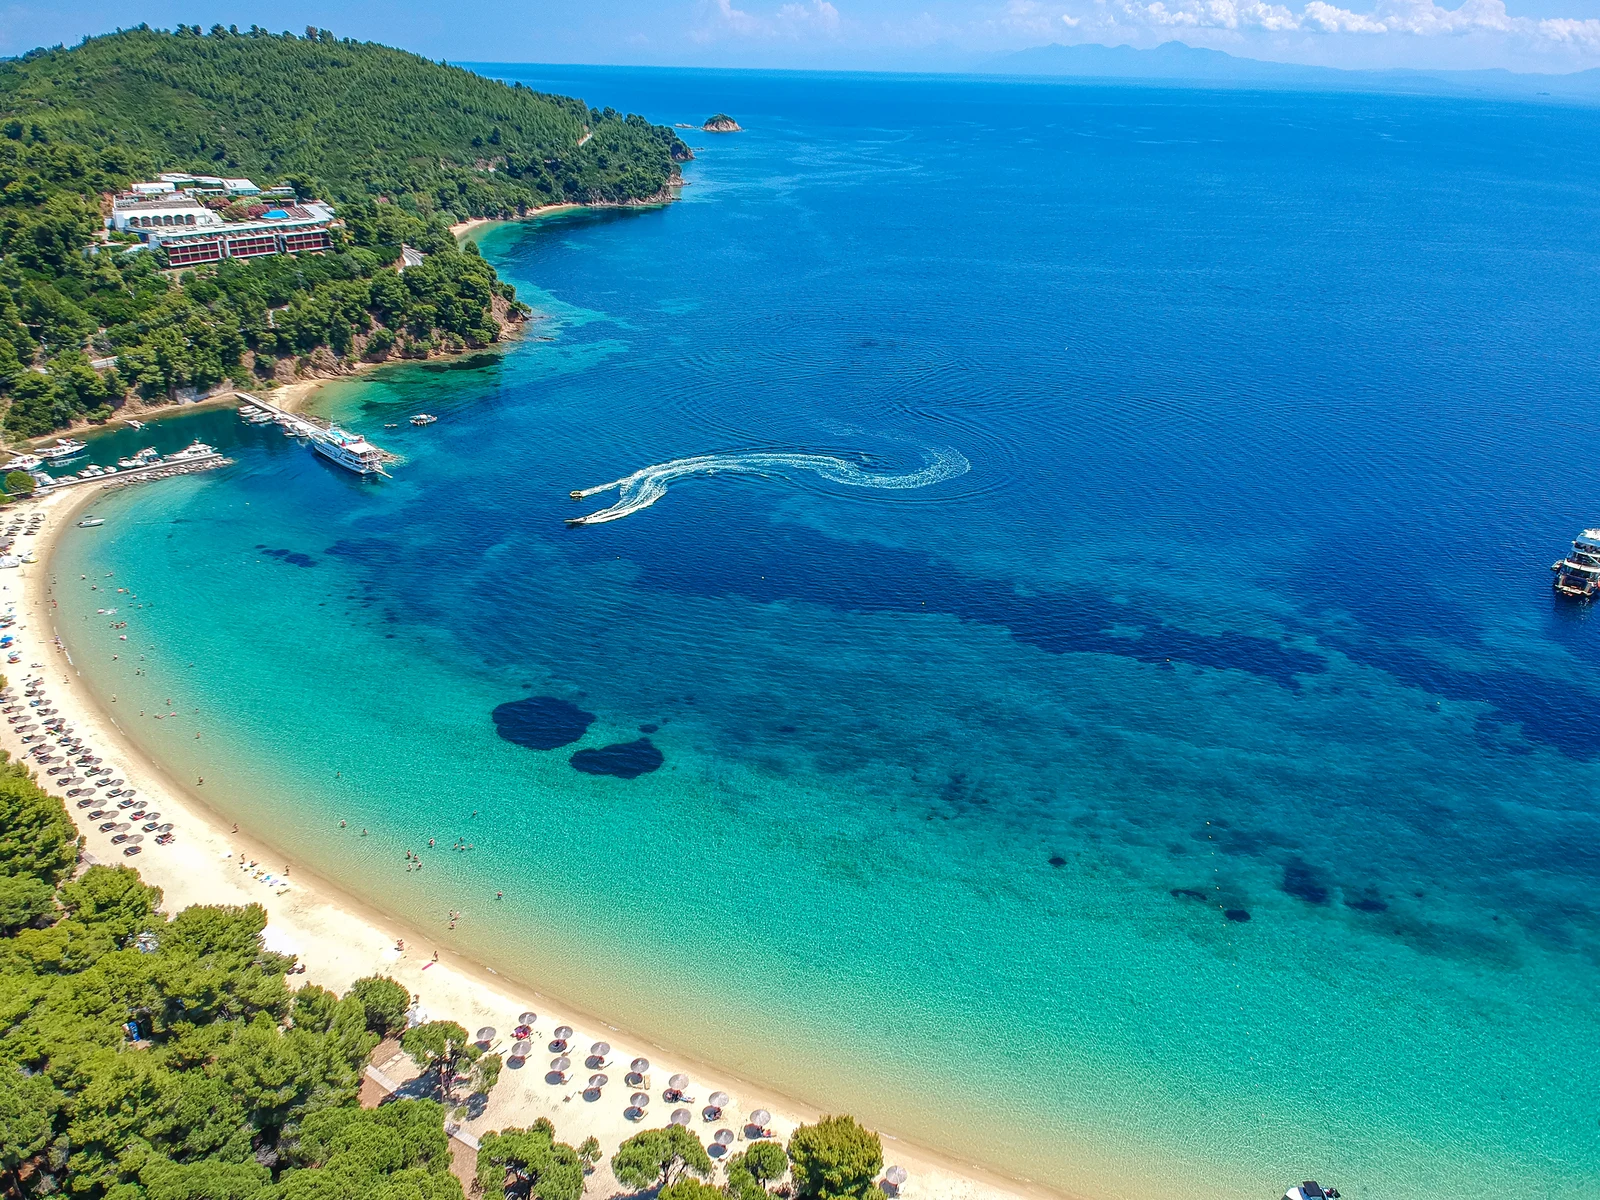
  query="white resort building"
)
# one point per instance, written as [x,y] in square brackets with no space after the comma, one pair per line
[172,213]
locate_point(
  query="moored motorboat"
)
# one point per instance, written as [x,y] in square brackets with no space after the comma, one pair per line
[63,449]
[1311,1190]
[424,419]
[91,522]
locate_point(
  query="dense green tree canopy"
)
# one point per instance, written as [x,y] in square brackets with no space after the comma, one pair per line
[529,1163]
[836,1158]
[657,1157]
[355,118]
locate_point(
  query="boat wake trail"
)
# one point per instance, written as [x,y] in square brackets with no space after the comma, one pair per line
[644,487]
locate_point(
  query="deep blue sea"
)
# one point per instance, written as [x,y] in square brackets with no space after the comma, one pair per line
[1194,795]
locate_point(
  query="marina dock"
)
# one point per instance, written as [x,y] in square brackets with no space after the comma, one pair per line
[350,451]
[182,463]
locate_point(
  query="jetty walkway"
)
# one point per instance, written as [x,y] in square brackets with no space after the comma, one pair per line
[160,469]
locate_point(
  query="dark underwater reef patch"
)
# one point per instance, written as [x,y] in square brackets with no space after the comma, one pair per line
[625,760]
[541,722]
[292,557]
[1301,881]
[1237,914]
[794,563]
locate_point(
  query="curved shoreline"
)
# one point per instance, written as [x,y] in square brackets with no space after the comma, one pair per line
[340,938]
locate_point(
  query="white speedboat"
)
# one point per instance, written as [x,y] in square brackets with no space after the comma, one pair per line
[424,419]
[24,462]
[1311,1190]
[350,451]
[91,522]
[195,449]
[132,424]
[63,449]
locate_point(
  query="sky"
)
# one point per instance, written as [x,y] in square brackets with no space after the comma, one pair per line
[1523,35]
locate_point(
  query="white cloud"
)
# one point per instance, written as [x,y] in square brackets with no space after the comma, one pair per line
[1102,19]
[1584,34]
[792,21]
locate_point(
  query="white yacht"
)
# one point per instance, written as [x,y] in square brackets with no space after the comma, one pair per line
[1311,1190]
[1578,574]
[350,451]
[63,449]
[195,449]
[24,462]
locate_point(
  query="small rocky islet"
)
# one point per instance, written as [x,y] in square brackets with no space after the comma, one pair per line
[722,123]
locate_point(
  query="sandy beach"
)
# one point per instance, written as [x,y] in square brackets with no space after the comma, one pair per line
[339,939]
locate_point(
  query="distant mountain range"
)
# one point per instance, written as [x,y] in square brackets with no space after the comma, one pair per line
[1180,63]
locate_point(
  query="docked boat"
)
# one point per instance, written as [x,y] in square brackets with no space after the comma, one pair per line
[142,459]
[24,462]
[350,451]
[132,424]
[424,419]
[91,522]
[1578,574]
[63,449]
[195,449]
[1311,1190]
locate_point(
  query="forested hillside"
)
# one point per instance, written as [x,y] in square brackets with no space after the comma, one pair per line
[361,119]
[403,146]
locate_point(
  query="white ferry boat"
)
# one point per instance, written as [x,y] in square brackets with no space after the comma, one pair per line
[24,462]
[350,451]
[63,449]
[1578,575]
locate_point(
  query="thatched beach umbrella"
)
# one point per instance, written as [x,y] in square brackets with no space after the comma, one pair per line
[719,1100]
[640,1065]
[723,1137]
[519,1049]
[678,1082]
[761,1118]
[600,1049]
[895,1175]
[598,1081]
[562,1064]
[681,1117]
[527,1018]
[639,1099]
[562,1032]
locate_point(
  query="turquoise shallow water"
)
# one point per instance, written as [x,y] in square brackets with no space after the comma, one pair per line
[1276,409]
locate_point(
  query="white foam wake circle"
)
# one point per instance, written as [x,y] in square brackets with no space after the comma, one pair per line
[644,487]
